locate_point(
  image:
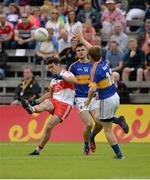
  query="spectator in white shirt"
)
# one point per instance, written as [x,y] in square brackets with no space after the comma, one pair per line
[64,41]
[120,37]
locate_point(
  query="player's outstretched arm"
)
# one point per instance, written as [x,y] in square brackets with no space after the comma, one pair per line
[78,34]
[91,93]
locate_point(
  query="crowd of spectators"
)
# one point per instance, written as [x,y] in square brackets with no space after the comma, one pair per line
[95,18]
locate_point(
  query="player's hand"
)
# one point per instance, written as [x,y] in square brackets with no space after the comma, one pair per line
[132,53]
[35,102]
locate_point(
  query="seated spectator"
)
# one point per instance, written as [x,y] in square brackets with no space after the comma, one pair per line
[135,9]
[122,89]
[133,62]
[13,14]
[36,3]
[72,23]
[110,16]
[24,33]
[54,23]
[89,12]
[115,57]
[1,8]
[147,10]
[147,65]
[31,16]
[3,61]
[46,49]
[120,37]
[44,13]
[68,55]
[97,42]
[6,32]
[28,88]
[31,2]
[64,40]
[88,31]
[144,37]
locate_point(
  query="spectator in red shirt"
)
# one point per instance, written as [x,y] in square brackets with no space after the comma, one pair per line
[6,32]
[24,33]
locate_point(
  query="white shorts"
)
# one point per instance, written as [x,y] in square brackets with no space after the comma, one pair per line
[108,107]
[94,104]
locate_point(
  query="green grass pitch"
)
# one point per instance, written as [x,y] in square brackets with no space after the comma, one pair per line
[66,160]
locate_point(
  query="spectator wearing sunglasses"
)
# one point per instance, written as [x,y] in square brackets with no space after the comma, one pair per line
[24,33]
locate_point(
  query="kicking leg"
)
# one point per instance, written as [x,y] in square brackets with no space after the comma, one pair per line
[122,123]
[47,133]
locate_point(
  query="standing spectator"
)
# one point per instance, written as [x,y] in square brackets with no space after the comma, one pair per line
[24,33]
[28,88]
[133,62]
[89,12]
[72,23]
[115,57]
[120,37]
[3,61]
[46,49]
[110,16]
[6,32]
[13,14]
[64,41]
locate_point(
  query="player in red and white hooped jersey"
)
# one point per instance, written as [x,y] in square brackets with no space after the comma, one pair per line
[58,101]
[62,90]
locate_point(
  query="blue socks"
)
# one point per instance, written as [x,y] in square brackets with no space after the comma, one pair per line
[116,120]
[117,151]
[86,145]
[92,136]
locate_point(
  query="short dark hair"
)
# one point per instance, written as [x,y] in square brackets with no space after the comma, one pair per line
[79,45]
[95,53]
[52,60]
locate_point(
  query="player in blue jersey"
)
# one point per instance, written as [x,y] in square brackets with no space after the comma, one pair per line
[97,128]
[102,82]
[81,69]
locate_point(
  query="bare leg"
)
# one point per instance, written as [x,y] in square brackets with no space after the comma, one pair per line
[125,75]
[47,133]
[147,75]
[46,105]
[139,74]
[112,139]
[88,122]
[107,126]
